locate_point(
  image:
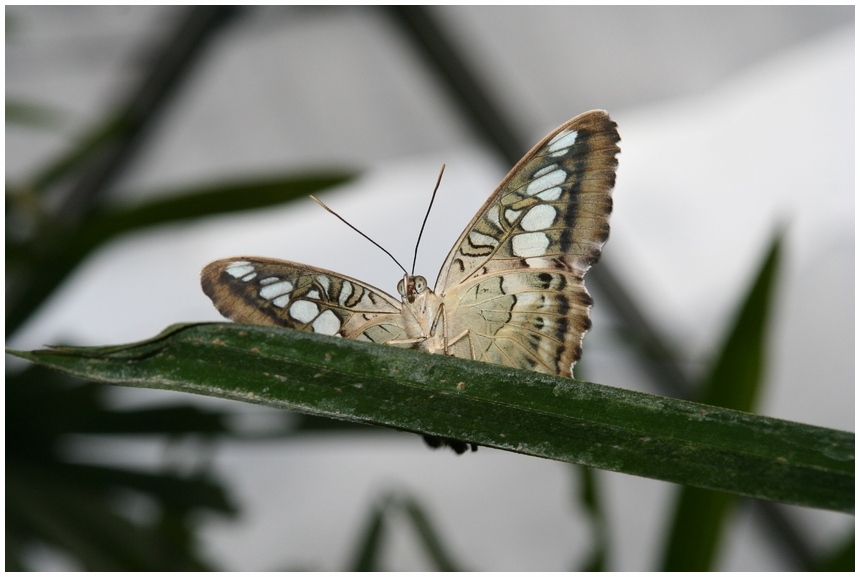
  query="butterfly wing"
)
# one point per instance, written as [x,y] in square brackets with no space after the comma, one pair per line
[274,292]
[514,279]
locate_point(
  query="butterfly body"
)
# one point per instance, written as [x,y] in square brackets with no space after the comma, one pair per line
[510,291]
[423,316]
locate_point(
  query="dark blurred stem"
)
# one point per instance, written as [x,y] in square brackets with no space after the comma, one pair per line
[170,64]
[783,533]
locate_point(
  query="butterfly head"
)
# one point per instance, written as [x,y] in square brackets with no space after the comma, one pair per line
[411,286]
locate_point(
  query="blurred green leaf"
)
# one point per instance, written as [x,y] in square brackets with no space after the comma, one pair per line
[427,534]
[71,507]
[589,497]
[372,540]
[41,271]
[733,382]
[188,204]
[32,115]
[79,520]
[841,558]
[735,379]
[72,159]
[519,411]
[45,406]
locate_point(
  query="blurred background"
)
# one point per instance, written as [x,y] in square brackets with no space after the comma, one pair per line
[736,123]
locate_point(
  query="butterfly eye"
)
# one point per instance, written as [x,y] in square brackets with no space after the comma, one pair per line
[420,284]
[401,288]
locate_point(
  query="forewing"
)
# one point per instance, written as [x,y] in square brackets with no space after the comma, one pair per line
[274,292]
[516,273]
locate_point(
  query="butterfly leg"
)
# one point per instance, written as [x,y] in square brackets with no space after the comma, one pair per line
[449,342]
[458,338]
[414,341]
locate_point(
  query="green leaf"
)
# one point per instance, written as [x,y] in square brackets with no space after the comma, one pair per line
[513,410]
[733,382]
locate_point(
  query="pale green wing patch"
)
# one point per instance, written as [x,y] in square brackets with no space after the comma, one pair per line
[526,319]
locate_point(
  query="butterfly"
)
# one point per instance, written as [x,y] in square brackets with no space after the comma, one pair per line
[511,290]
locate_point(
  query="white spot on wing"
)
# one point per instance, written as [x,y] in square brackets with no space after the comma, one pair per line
[562,141]
[512,215]
[539,263]
[478,239]
[314,294]
[324,282]
[327,324]
[544,170]
[248,277]
[550,194]
[345,293]
[531,300]
[514,283]
[530,244]
[273,290]
[282,301]
[240,268]
[493,215]
[304,311]
[269,280]
[547,181]
[539,217]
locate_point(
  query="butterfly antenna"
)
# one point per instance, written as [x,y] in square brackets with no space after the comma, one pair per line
[343,220]
[426,215]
